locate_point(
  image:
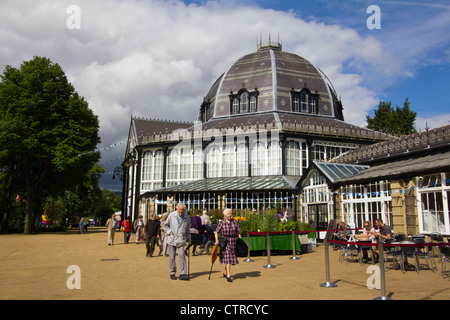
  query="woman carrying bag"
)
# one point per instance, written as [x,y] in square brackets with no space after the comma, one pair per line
[230,230]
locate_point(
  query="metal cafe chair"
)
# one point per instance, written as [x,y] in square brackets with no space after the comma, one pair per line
[350,250]
[424,253]
[392,252]
[409,252]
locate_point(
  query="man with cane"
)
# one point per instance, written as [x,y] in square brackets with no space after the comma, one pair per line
[177,227]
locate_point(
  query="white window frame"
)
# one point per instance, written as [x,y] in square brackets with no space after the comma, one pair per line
[444,190]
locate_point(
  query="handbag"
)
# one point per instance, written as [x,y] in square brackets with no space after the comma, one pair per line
[241,248]
[223,243]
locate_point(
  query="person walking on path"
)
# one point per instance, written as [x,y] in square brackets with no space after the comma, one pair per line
[196,232]
[230,230]
[81,225]
[111,225]
[177,227]
[205,218]
[163,237]
[139,228]
[152,234]
[126,224]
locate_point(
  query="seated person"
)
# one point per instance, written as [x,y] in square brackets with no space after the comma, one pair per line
[370,233]
[384,232]
[342,234]
[208,234]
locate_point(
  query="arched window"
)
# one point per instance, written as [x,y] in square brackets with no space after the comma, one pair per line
[235,105]
[274,158]
[213,162]
[186,163]
[292,158]
[244,103]
[241,160]
[172,166]
[304,101]
[253,103]
[158,167]
[198,163]
[295,102]
[228,161]
[259,157]
[147,166]
[312,104]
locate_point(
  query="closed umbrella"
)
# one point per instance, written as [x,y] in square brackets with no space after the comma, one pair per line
[214,253]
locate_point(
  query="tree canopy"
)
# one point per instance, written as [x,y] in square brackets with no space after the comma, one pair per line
[393,121]
[44,127]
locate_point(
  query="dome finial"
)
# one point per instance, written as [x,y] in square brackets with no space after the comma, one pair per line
[269,45]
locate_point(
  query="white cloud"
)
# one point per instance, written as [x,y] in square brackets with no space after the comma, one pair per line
[157,59]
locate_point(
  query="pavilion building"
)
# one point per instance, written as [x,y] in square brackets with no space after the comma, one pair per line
[259,128]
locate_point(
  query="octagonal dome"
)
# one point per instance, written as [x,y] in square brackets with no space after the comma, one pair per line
[271,80]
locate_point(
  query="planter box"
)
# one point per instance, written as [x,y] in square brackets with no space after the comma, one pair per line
[278,242]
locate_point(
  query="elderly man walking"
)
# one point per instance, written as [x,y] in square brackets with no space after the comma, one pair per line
[177,228]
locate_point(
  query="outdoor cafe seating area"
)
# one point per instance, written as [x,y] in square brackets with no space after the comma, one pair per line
[418,252]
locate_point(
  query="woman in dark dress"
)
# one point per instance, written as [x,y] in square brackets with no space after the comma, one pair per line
[230,230]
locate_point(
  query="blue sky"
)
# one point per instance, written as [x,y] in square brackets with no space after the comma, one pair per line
[417,32]
[158,58]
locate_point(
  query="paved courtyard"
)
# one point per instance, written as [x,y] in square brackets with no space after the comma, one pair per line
[35,267]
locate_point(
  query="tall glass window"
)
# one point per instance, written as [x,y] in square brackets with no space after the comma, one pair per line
[433,203]
[235,105]
[228,161]
[304,102]
[241,160]
[293,158]
[259,157]
[147,170]
[172,166]
[312,105]
[253,103]
[244,102]
[198,163]
[213,162]
[159,166]
[274,150]
[186,163]
[295,102]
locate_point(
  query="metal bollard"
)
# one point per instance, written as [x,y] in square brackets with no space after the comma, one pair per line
[268,265]
[293,247]
[382,273]
[248,246]
[327,283]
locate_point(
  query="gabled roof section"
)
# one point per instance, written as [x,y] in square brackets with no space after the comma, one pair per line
[147,127]
[332,171]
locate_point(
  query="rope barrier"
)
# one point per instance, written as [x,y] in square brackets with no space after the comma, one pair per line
[264,233]
[397,244]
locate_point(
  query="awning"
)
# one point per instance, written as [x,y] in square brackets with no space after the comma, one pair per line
[235,184]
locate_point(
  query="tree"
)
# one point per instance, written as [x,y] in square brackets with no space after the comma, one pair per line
[390,121]
[44,128]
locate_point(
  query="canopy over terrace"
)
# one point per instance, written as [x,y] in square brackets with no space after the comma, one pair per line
[256,193]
